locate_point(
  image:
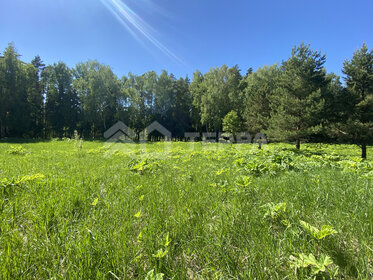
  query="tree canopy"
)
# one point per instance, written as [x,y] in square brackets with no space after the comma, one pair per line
[296,100]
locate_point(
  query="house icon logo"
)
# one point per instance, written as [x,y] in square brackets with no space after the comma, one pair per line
[117,136]
[122,138]
[165,134]
[119,132]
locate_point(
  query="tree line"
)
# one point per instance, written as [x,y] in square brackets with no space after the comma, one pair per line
[296,100]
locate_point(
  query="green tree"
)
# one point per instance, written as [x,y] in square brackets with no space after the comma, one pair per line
[141,99]
[182,107]
[14,106]
[359,80]
[215,94]
[62,102]
[35,96]
[260,87]
[297,106]
[197,89]
[173,103]
[99,91]
[232,124]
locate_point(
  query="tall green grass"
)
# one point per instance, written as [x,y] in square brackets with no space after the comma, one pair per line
[202,213]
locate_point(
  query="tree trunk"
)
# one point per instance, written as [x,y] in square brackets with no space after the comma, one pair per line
[5,129]
[364,151]
[298,144]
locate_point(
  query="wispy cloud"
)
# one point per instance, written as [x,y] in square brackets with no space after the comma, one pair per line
[136,25]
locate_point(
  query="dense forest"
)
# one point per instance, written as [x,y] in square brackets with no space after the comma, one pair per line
[296,100]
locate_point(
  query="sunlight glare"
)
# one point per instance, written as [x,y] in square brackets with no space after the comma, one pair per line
[135,25]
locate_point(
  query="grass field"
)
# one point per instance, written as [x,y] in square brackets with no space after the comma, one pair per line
[212,212]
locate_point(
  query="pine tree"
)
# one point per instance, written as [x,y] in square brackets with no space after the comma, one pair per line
[15,110]
[359,80]
[298,104]
[35,96]
[62,103]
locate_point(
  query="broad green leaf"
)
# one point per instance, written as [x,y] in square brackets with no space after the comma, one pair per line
[139,237]
[151,275]
[274,210]
[326,260]
[316,233]
[311,229]
[325,231]
[310,260]
[94,203]
[138,214]
[168,240]
[160,254]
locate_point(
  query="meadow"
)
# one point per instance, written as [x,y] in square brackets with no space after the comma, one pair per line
[82,210]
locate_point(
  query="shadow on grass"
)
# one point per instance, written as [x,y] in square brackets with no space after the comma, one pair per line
[23,140]
[342,258]
[39,140]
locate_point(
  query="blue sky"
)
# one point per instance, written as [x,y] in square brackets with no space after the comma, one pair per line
[182,36]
